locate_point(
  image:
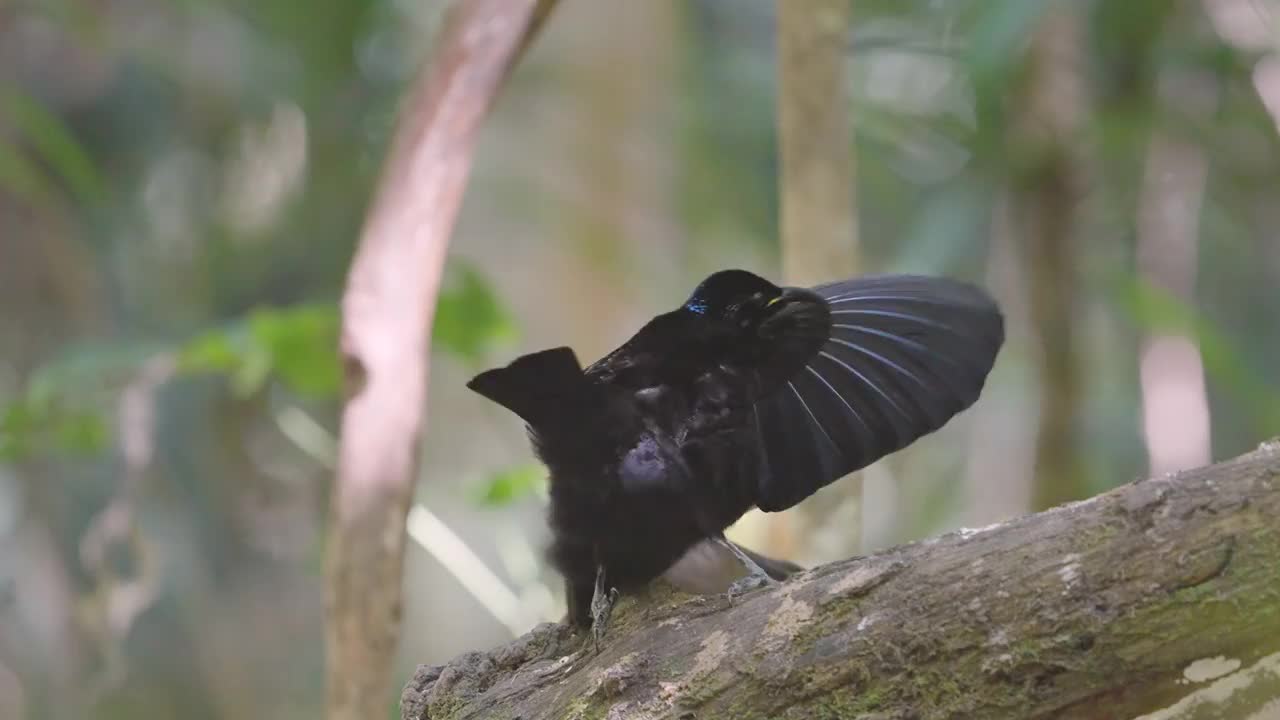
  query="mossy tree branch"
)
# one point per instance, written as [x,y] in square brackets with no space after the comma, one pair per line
[1127,603]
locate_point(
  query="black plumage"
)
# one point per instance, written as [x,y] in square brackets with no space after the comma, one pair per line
[747,395]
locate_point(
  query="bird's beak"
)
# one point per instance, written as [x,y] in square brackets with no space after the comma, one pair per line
[788,294]
[795,311]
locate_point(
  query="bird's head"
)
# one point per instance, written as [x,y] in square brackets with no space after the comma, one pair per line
[774,329]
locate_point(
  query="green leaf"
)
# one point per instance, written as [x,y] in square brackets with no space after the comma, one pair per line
[513,484]
[82,433]
[1001,32]
[302,346]
[252,373]
[296,345]
[18,418]
[470,320]
[53,141]
[299,345]
[1157,310]
[13,448]
[49,425]
[214,351]
[19,177]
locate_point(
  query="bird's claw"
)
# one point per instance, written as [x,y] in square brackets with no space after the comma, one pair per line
[601,609]
[600,614]
[756,576]
[746,584]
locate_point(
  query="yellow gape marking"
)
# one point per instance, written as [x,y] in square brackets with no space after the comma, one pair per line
[773,301]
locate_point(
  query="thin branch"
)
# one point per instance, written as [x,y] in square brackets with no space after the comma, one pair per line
[116,601]
[387,312]
[422,525]
[458,558]
[1046,191]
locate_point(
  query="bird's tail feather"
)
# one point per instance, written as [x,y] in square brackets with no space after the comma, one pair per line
[539,387]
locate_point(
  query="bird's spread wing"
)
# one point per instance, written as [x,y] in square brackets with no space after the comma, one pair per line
[905,354]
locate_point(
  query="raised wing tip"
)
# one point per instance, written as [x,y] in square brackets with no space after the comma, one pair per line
[941,288]
[906,354]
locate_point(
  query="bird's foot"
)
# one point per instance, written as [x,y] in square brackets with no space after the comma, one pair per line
[601,608]
[752,581]
[755,579]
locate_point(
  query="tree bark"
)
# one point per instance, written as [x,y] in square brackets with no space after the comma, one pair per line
[387,312]
[1136,600]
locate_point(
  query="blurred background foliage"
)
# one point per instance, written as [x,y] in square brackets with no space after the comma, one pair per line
[181,184]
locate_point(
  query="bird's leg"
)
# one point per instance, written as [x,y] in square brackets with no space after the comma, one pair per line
[756,576]
[601,607]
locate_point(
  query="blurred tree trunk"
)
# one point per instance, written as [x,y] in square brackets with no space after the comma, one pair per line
[1175,404]
[818,215]
[1126,44]
[13,700]
[387,311]
[1046,191]
[619,86]
[50,274]
[1000,474]
[818,224]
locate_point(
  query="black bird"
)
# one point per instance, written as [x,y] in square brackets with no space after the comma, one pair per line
[747,395]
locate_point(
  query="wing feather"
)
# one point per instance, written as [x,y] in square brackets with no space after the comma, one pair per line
[905,354]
